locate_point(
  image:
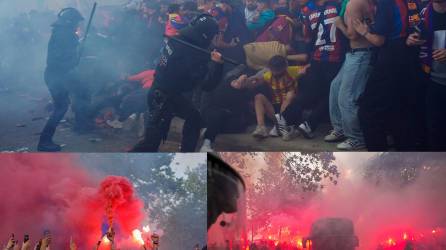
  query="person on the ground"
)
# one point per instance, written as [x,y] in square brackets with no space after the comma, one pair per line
[228,110]
[278,90]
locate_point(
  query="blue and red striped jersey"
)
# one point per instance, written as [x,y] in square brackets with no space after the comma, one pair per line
[395,19]
[328,45]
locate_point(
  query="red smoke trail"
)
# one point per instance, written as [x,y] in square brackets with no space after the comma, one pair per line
[43,191]
[120,203]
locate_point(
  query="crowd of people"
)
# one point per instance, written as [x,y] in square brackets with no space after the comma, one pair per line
[42,244]
[374,69]
[45,242]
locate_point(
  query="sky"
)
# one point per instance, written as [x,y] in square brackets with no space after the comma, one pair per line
[183,161]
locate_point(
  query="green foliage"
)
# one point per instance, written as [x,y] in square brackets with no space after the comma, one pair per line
[402,168]
[289,179]
[307,170]
[310,169]
[186,223]
[175,205]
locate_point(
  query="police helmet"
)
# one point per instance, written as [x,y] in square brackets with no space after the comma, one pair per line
[201,30]
[69,17]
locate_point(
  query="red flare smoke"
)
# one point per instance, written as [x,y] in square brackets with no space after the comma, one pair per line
[46,192]
[120,203]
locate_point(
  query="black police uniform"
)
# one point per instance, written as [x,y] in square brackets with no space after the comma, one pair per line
[62,59]
[181,69]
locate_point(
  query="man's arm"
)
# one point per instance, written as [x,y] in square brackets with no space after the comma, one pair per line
[376,35]
[353,12]
[10,244]
[45,242]
[363,29]
[214,73]
[302,58]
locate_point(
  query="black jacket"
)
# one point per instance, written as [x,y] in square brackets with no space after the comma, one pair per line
[182,68]
[63,54]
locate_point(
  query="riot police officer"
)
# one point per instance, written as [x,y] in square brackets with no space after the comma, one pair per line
[181,69]
[62,59]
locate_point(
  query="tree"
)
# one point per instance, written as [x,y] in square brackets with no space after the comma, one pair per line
[402,168]
[186,223]
[287,181]
[176,205]
[152,176]
[307,170]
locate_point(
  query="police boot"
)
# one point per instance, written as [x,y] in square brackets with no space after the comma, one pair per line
[46,143]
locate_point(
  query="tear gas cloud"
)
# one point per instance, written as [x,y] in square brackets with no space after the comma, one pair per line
[119,42]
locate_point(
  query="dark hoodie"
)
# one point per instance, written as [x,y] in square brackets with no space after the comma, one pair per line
[63,46]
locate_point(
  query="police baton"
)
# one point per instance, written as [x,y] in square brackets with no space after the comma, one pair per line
[205,51]
[87,31]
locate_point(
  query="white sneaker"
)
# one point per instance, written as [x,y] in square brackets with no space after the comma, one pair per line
[260,132]
[115,124]
[131,123]
[334,136]
[282,125]
[350,145]
[289,133]
[280,120]
[305,130]
[274,132]
[206,147]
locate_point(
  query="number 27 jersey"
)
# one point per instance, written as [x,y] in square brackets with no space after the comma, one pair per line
[327,40]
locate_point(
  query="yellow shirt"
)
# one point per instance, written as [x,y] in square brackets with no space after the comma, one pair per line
[280,87]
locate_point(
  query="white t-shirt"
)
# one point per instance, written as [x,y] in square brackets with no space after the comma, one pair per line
[438,73]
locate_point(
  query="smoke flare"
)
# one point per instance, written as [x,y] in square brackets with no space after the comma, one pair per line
[41,192]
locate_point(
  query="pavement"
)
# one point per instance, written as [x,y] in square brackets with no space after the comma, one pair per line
[23,115]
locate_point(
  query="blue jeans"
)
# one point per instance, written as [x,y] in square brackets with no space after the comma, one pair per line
[345,90]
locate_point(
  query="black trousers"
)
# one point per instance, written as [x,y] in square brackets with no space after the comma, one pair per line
[134,102]
[62,86]
[219,120]
[313,93]
[436,116]
[162,109]
[393,100]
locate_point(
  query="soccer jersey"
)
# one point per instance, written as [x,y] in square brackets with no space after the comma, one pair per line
[395,19]
[221,17]
[281,86]
[328,45]
[174,23]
